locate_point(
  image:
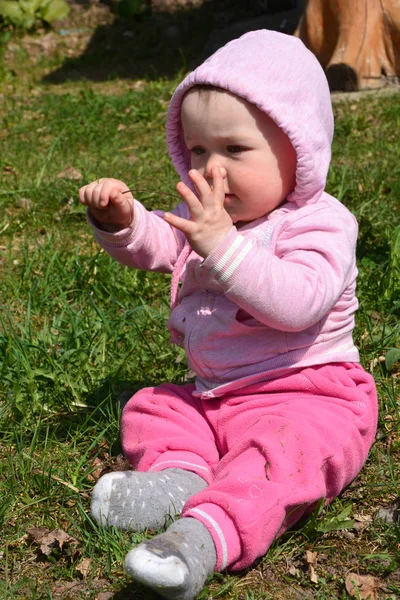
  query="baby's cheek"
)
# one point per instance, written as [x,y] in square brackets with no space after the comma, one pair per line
[249,177]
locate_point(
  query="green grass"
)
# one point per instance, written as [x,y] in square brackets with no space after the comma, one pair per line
[79,332]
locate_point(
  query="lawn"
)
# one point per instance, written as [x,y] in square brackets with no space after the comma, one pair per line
[79,333]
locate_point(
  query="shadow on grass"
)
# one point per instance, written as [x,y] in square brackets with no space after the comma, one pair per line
[104,404]
[149,47]
[135,591]
[163,44]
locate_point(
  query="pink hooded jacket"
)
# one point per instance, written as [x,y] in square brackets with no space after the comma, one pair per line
[278,293]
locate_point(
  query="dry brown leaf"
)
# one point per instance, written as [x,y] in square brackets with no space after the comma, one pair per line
[313,575]
[10,170]
[104,463]
[36,533]
[120,463]
[50,540]
[98,467]
[56,538]
[311,558]
[70,173]
[84,566]
[25,203]
[362,586]
[121,127]
[363,518]
[362,522]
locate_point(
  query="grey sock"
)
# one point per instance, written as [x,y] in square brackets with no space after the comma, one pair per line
[176,563]
[136,501]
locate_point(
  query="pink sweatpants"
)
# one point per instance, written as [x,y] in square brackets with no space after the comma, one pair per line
[268,452]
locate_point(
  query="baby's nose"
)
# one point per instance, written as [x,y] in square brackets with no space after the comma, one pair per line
[222,170]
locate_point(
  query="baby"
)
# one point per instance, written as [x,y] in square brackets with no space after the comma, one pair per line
[281,414]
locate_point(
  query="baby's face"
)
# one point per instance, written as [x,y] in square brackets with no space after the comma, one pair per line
[255,156]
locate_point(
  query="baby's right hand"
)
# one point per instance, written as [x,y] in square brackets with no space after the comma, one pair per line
[108,204]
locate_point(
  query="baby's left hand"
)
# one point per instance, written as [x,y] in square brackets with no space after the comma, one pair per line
[209,222]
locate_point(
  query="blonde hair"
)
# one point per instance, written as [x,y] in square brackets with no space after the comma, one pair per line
[204,90]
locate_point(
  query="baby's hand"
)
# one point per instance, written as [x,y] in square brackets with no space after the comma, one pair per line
[209,222]
[108,204]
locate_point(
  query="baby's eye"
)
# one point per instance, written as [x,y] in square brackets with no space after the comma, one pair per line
[197,150]
[235,149]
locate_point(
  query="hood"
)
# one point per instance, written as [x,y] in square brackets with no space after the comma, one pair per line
[282,78]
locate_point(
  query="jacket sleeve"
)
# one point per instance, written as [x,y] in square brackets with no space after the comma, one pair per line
[149,244]
[294,283]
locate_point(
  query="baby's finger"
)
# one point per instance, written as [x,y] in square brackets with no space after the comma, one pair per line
[105,192]
[81,195]
[97,200]
[201,185]
[86,195]
[218,185]
[118,193]
[183,225]
[192,202]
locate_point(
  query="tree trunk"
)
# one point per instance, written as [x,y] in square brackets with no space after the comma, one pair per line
[356,41]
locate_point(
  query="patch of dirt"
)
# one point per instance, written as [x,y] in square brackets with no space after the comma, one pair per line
[93,44]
